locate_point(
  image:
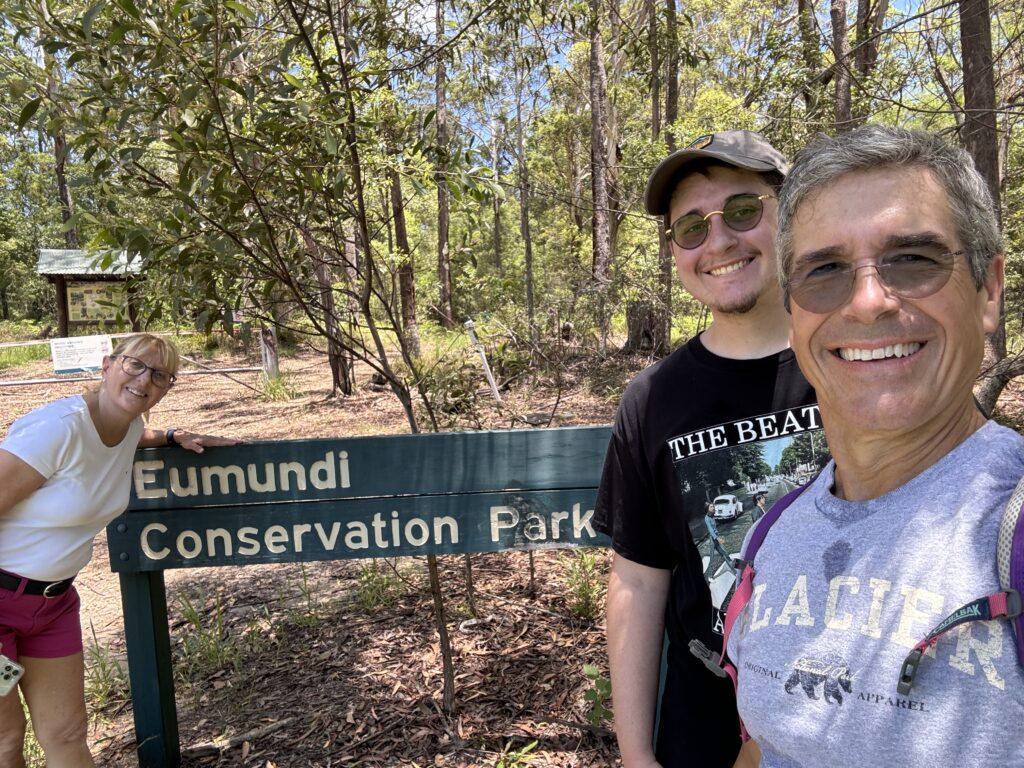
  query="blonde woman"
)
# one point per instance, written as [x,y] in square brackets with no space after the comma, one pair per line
[64,474]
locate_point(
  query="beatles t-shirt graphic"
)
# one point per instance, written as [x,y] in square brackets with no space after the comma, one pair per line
[731,474]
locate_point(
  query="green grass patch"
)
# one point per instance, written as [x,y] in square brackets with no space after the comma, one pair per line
[106,681]
[13,357]
[19,330]
[272,389]
[379,586]
[585,584]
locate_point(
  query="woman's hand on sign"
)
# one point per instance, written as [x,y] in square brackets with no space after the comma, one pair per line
[199,443]
[182,438]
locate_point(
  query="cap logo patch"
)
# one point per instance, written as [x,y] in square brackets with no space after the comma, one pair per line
[701,142]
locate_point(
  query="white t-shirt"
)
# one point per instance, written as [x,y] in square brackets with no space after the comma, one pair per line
[48,536]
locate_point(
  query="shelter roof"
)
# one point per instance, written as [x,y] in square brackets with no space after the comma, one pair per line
[54,261]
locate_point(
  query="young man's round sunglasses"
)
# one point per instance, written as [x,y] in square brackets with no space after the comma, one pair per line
[740,214]
[135,367]
[822,285]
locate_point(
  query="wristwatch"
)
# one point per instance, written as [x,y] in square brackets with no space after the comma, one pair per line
[170,437]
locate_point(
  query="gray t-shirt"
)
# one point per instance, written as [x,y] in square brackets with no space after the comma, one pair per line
[843,592]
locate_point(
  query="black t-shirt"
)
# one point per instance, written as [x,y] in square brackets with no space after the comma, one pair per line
[698,434]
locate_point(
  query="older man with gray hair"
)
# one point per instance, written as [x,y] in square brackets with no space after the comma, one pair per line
[891,265]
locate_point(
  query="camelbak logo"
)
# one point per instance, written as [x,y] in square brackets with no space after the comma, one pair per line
[967,613]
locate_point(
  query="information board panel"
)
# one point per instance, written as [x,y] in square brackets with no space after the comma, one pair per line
[91,302]
[79,354]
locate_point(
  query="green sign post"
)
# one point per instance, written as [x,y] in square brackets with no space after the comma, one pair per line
[337,499]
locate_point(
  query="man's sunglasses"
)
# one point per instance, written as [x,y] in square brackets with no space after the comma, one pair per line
[824,285]
[740,213]
[135,367]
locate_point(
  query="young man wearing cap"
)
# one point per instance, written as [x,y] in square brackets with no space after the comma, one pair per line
[716,413]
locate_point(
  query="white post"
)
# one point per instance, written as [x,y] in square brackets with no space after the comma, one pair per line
[268,351]
[471,330]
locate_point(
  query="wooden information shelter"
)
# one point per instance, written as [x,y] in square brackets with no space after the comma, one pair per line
[89,294]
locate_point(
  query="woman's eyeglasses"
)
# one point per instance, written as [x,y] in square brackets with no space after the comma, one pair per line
[824,285]
[135,367]
[740,214]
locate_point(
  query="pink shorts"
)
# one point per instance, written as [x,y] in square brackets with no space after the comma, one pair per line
[40,627]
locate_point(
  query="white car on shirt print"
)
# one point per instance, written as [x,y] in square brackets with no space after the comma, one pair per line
[727,507]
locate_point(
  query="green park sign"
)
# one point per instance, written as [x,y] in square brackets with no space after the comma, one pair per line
[362,497]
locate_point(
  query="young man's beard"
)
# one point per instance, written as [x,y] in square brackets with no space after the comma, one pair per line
[739,306]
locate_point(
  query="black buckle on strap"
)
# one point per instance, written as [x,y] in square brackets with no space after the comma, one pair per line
[1014,606]
[708,658]
[910,665]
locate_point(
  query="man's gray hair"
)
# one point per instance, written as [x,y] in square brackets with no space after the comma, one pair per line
[876,146]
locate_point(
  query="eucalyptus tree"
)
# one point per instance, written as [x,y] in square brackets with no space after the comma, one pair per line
[444,277]
[253,126]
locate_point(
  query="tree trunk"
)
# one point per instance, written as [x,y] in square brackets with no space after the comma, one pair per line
[575,151]
[444,278]
[654,50]
[496,173]
[642,321]
[602,257]
[341,372]
[810,53]
[612,147]
[406,275]
[672,75]
[524,209]
[60,285]
[666,262]
[841,49]
[60,156]
[868,29]
[362,230]
[982,142]
[441,623]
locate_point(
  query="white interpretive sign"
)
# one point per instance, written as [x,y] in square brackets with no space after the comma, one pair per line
[79,354]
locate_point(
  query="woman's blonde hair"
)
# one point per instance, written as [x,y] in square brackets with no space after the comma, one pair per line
[142,343]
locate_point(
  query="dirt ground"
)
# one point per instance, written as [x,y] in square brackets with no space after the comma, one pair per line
[337,664]
[300,666]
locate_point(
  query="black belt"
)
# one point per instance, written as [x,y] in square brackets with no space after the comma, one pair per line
[45,588]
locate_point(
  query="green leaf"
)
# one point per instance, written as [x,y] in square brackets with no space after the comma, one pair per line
[235,52]
[128,7]
[240,9]
[292,79]
[87,20]
[28,111]
[234,86]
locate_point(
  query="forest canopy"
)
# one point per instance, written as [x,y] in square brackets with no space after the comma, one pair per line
[358,172]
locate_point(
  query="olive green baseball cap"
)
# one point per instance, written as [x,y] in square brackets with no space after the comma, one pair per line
[743,149]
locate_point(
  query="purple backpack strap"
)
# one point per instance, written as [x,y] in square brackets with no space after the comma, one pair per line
[762,526]
[1010,558]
